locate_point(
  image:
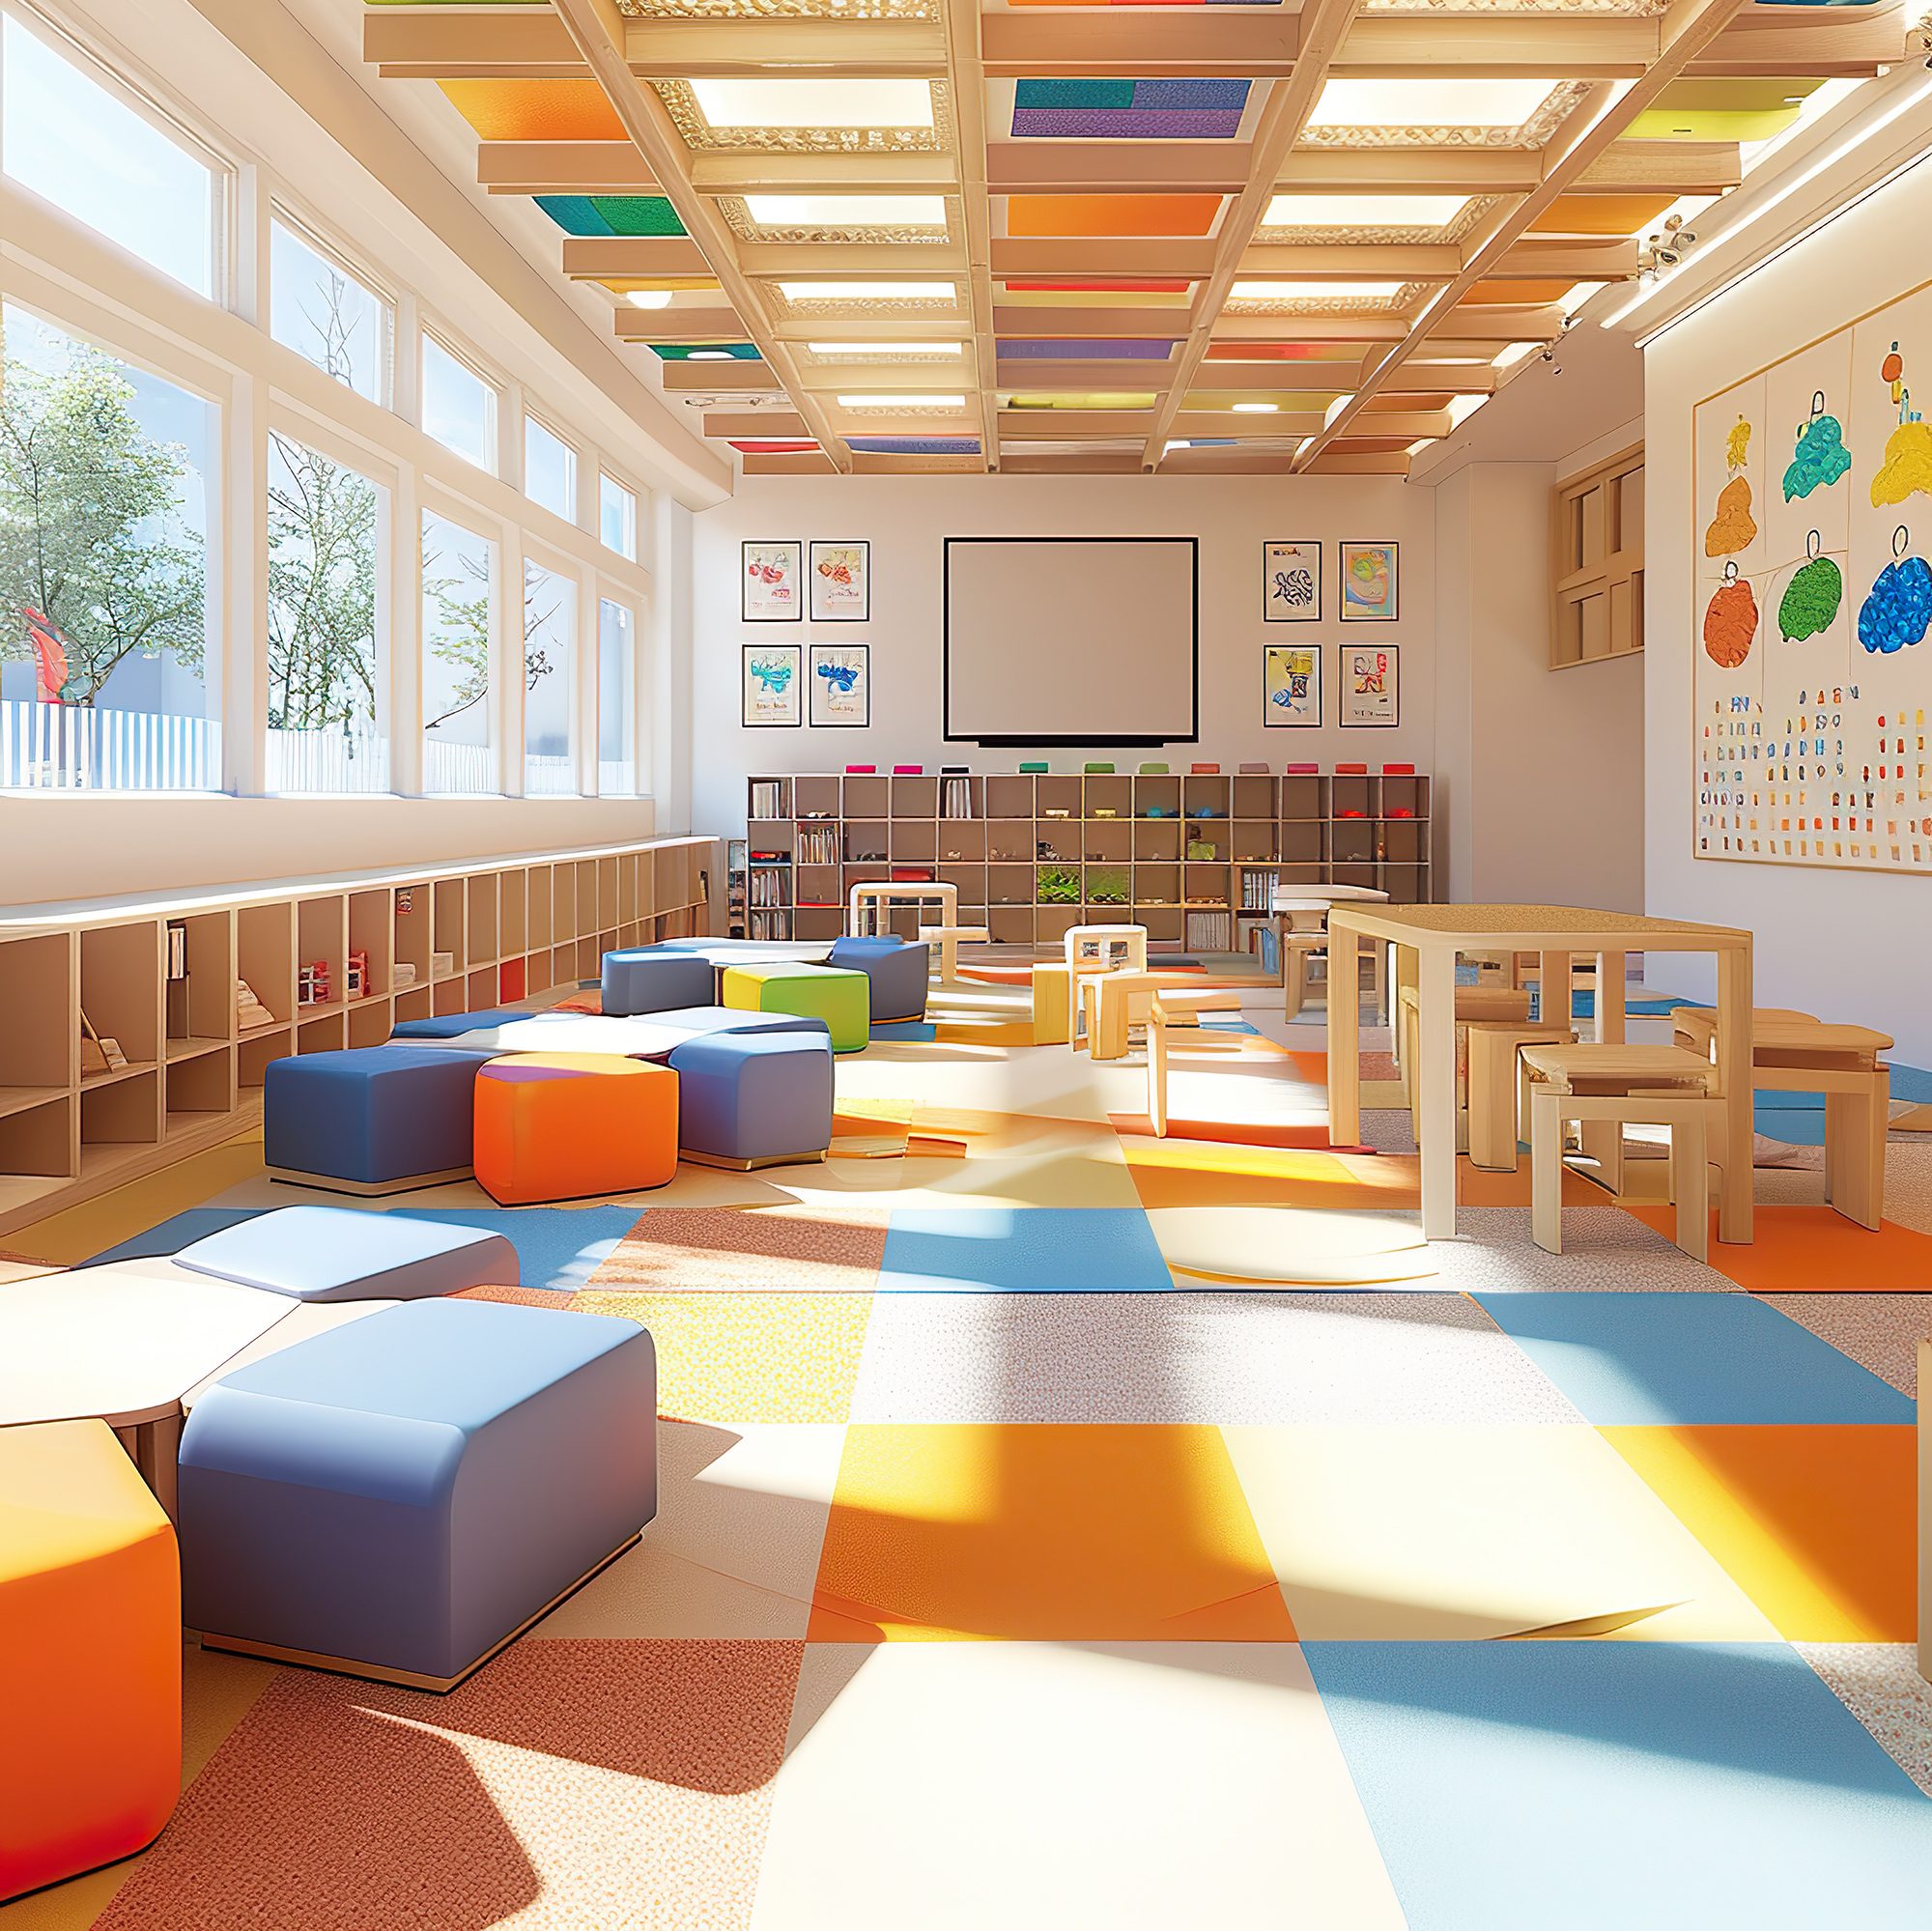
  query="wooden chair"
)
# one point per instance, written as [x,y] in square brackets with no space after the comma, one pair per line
[1793,1052]
[1498,1086]
[1473,1004]
[949,939]
[1654,1086]
[1053,986]
[1112,1003]
[1301,929]
[1117,947]
[1180,1008]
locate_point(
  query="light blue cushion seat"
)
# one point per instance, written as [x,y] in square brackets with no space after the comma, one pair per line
[751,1098]
[898,971]
[372,1119]
[447,1025]
[649,980]
[340,1253]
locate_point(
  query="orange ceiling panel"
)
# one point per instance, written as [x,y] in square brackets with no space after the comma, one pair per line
[1060,217]
[536,110]
[1603,214]
[1529,293]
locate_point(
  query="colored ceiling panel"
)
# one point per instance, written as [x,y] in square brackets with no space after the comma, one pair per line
[1724,109]
[1103,399]
[1031,295]
[536,110]
[1284,351]
[1602,213]
[612,213]
[1141,110]
[1486,294]
[774,448]
[1059,215]
[1076,351]
[915,445]
[684,351]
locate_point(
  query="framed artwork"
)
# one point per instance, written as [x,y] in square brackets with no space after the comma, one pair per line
[842,583]
[1290,685]
[1370,582]
[1291,583]
[770,686]
[1370,691]
[842,684]
[768,583]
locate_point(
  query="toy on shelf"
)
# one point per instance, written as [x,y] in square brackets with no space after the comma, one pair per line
[1099,770]
[442,964]
[1153,770]
[405,900]
[402,972]
[908,771]
[250,1014]
[1033,770]
[861,770]
[1205,770]
[312,983]
[1302,770]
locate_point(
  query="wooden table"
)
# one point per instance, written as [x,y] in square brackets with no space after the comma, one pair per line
[874,898]
[1438,933]
[123,1344]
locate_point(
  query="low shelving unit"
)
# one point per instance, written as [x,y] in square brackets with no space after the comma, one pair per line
[1194,857]
[160,981]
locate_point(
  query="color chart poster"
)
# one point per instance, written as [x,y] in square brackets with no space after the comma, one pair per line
[1813,600]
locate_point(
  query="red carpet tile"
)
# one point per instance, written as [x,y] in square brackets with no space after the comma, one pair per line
[569,1784]
[792,1250]
[1815,1250]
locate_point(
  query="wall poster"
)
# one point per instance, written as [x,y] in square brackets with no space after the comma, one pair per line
[1291,583]
[1370,691]
[1290,685]
[771,680]
[768,583]
[842,684]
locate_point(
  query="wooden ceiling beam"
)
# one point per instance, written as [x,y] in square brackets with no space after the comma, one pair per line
[597,258]
[1082,377]
[599,29]
[769,425]
[881,463]
[1137,44]
[1421,46]
[1246,326]
[1320,27]
[436,43]
[1662,167]
[1687,30]
[1352,261]
[788,463]
[1101,258]
[1583,258]
[763,425]
[1070,425]
[1626,167]
[1116,167]
[746,171]
[851,261]
[1097,325]
[945,376]
[733,377]
[919,328]
[562,167]
[696,48]
[1363,463]
[678,324]
[1824,42]
[1059,463]
[1410,424]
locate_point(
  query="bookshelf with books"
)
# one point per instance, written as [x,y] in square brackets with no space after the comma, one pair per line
[1194,856]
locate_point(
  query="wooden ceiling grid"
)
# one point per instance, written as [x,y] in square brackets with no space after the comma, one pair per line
[924,235]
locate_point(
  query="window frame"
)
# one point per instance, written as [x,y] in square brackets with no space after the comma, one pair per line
[635,498]
[574,458]
[320,244]
[607,592]
[494,387]
[432,501]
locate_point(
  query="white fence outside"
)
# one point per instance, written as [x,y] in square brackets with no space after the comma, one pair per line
[459,767]
[83,747]
[331,759]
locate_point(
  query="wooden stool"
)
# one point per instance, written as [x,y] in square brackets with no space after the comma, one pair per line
[1180,1008]
[1498,1086]
[1473,1004]
[869,902]
[1053,1001]
[1654,1086]
[1108,947]
[950,938]
[1113,1004]
[1302,929]
[1792,1052]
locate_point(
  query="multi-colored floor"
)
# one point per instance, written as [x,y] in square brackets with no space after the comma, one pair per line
[1011,1574]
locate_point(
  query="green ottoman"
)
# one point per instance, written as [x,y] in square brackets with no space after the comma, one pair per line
[841,998]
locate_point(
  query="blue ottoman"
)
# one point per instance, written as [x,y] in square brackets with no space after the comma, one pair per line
[447,1025]
[340,1253]
[402,1496]
[898,970]
[374,1119]
[753,1099]
[649,981]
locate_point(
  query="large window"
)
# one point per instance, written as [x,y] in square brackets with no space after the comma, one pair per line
[84,149]
[550,469]
[617,700]
[320,310]
[327,700]
[458,408]
[108,678]
[459,573]
[617,518]
[549,625]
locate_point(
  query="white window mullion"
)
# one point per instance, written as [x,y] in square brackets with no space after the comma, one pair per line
[506,686]
[400,620]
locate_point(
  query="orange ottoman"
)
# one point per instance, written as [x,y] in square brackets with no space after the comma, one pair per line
[564,1125]
[90,1656]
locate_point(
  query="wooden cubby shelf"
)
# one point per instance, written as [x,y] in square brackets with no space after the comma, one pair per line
[514,926]
[1192,856]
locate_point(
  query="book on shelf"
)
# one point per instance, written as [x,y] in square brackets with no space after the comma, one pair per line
[956,798]
[817,844]
[1210,931]
[1258,888]
[768,798]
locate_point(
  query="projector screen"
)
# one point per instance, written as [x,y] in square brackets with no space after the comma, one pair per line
[1073,639]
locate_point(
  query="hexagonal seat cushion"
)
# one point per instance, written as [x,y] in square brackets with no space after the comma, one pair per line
[447,1025]
[568,1125]
[835,994]
[896,968]
[400,1496]
[645,980]
[340,1253]
[90,1656]
[753,1099]
[371,1119]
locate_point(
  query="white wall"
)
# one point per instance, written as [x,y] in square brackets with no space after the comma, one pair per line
[906,518]
[1841,944]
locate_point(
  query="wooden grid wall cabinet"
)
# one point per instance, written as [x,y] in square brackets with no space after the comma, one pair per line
[1596,569]
[1034,854]
[325,966]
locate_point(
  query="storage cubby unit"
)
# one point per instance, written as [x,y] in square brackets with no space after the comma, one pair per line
[163,983]
[1195,857]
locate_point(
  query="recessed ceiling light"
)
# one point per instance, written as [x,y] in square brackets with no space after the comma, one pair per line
[868,290]
[649,297]
[887,348]
[794,103]
[1314,291]
[847,211]
[1169,447]
[1429,104]
[1294,210]
[902,402]
[1256,408]
[711,355]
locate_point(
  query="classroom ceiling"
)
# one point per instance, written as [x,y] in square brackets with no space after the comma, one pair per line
[951,236]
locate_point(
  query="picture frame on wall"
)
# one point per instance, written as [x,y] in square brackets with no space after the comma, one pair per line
[1370,582]
[1291,583]
[770,678]
[1371,691]
[841,685]
[842,581]
[768,581]
[1290,686]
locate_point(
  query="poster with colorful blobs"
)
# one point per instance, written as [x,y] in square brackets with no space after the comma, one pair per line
[1728,618]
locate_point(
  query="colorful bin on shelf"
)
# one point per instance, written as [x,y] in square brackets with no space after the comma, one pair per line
[839,997]
[573,1125]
